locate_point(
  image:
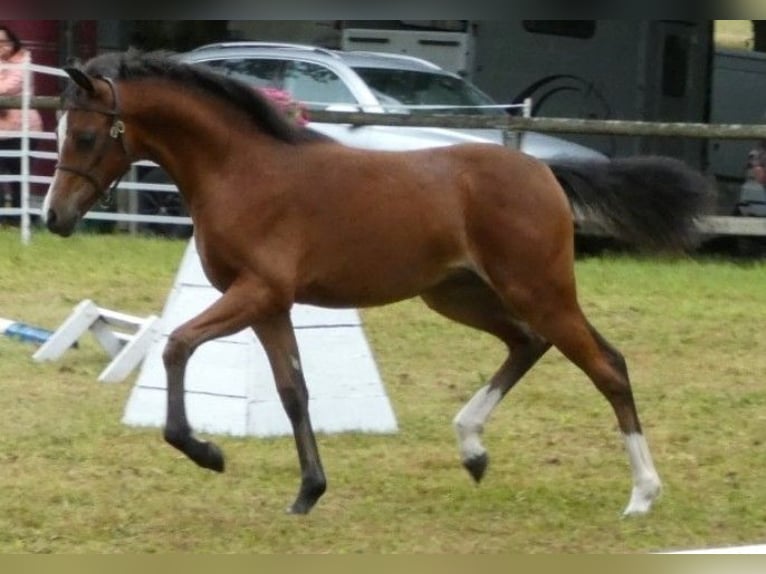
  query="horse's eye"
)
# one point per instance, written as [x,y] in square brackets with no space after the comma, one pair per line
[85,141]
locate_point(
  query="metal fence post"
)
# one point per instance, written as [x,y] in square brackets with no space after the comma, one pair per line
[26,95]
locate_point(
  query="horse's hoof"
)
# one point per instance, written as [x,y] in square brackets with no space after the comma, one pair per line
[298,508]
[477,466]
[302,505]
[642,497]
[203,453]
[311,491]
[211,457]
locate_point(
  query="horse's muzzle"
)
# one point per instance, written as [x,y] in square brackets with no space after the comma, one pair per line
[55,224]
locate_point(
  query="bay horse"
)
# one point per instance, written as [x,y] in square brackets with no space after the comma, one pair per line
[483,234]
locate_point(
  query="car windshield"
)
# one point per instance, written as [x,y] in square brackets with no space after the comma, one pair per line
[424,92]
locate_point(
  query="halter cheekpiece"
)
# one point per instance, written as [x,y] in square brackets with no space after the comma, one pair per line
[116,132]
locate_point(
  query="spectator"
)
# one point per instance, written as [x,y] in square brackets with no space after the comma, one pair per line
[11,84]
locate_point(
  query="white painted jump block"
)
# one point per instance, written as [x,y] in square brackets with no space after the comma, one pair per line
[125,338]
[230,389]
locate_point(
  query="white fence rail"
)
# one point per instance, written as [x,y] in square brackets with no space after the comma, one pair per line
[130,187]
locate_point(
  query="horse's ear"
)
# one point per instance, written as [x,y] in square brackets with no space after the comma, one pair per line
[81,79]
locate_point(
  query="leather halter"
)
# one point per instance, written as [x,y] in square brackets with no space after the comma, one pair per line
[116,132]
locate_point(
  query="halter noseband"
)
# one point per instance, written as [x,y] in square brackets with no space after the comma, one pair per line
[116,131]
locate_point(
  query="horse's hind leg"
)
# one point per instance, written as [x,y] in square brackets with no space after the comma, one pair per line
[468,300]
[470,420]
[554,312]
[646,482]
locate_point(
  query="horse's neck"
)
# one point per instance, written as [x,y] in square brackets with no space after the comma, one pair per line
[172,122]
[192,139]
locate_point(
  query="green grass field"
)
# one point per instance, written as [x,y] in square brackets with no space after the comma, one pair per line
[74,479]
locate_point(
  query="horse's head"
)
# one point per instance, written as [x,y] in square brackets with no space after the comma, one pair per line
[91,149]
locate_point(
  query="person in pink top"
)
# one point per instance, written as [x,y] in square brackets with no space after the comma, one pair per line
[11,84]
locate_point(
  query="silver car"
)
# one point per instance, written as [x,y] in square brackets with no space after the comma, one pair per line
[373,82]
[370,82]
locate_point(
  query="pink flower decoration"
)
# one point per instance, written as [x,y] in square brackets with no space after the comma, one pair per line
[292,108]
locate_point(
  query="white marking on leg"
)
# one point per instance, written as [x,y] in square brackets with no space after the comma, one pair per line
[646,482]
[61,130]
[469,422]
[295,363]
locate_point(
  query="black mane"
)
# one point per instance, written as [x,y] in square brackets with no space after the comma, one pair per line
[135,64]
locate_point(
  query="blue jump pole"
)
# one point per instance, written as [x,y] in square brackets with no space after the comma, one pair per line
[24,332]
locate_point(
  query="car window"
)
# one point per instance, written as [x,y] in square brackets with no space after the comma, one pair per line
[413,88]
[315,85]
[258,73]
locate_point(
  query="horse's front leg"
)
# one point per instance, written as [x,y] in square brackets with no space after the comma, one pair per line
[278,339]
[226,316]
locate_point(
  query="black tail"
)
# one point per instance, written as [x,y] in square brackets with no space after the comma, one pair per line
[648,202]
